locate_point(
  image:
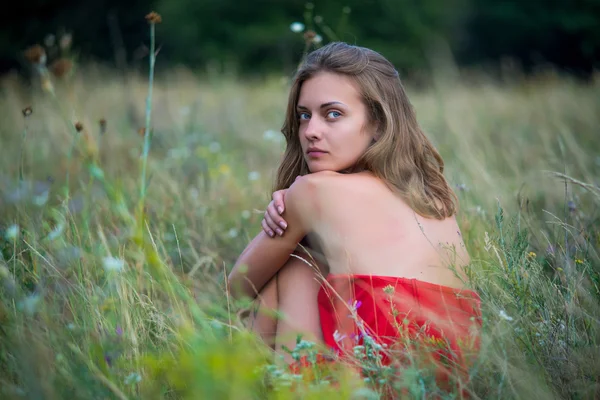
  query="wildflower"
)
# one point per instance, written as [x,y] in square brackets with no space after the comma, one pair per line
[531,254]
[36,55]
[462,187]
[61,67]
[246,214]
[27,111]
[119,330]
[56,232]
[578,261]
[389,290]
[224,169]
[154,18]
[254,176]
[270,135]
[132,378]
[338,337]
[29,304]
[317,39]
[102,123]
[232,233]
[572,206]
[12,232]
[65,41]
[505,316]
[113,264]
[297,27]
[214,147]
[194,193]
[78,126]
[355,304]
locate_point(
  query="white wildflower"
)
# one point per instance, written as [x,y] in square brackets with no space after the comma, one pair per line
[194,193]
[254,176]
[12,232]
[214,147]
[297,27]
[56,232]
[132,378]
[338,337]
[505,316]
[113,264]
[246,214]
[317,39]
[270,134]
[41,199]
[29,304]
[232,233]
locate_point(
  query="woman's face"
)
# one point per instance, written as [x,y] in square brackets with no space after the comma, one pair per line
[333,122]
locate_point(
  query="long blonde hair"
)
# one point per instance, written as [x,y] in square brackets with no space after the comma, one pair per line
[403,157]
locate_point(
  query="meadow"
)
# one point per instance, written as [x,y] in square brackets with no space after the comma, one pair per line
[114,289]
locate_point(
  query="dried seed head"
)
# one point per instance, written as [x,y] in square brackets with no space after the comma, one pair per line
[154,18]
[78,126]
[35,54]
[61,67]
[102,123]
[27,111]
[309,35]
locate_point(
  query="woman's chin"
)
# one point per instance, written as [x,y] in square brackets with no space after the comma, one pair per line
[319,168]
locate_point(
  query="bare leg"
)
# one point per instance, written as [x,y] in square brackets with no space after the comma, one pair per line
[292,294]
[263,320]
[298,286]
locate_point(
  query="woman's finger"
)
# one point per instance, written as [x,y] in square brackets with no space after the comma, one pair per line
[267,230]
[270,223]
[278,199]
[278,221]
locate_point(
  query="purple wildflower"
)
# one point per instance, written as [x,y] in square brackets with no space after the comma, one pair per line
[119,330]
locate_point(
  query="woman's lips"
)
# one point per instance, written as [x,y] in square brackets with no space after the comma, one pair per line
[316,153]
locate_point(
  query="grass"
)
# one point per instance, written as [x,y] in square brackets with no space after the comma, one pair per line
[116,289]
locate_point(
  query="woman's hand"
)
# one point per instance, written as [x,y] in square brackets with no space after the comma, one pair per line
[273,222]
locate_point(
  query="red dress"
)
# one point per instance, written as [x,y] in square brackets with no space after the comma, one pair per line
[402,315]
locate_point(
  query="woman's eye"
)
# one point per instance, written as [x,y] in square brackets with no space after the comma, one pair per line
[334,114]
[303,116]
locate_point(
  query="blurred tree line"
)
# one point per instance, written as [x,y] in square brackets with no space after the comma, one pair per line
[255,36]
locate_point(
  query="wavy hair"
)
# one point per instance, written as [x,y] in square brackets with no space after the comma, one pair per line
[402,156]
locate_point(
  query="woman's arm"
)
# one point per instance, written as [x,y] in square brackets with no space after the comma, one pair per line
[264,256]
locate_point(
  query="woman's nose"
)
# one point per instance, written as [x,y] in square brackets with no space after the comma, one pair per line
[313,130]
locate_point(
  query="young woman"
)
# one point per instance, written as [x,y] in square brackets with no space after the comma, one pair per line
[373,199]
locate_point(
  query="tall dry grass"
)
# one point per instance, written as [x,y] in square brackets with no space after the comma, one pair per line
[103,299]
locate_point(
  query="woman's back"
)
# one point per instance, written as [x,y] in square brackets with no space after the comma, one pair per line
[365,228]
